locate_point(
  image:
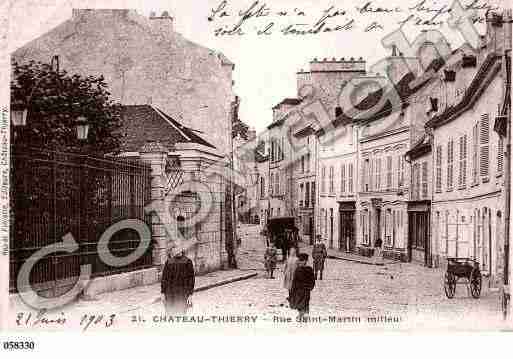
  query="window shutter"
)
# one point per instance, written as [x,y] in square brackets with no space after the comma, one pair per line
[350,180]
[389,172]
[399,182]
[439,168]
[271,184]
[424,179]
[500,155]
[463,155]
[342,178]
[331,180]
[323,179]
[450,152]
[475,149]
[484,135]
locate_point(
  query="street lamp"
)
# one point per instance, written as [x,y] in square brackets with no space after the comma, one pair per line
[82,128]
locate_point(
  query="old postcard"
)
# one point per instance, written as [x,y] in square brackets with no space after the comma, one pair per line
[246,165]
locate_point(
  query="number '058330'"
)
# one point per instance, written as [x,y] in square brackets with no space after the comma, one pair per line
[11,345]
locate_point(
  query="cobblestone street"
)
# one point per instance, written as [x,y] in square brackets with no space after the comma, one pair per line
[351,296]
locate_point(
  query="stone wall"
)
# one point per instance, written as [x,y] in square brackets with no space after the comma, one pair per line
[144,60]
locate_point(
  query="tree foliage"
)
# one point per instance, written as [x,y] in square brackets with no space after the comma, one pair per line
[55,99]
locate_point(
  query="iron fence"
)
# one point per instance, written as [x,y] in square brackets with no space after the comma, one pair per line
[56,193]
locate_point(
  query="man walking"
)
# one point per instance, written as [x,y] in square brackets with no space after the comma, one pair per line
[319,254]
[302,285]
[177,281]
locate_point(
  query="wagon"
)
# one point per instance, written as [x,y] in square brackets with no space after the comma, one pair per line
[462,269]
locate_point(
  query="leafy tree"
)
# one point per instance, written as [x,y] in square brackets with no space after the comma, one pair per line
[55,99]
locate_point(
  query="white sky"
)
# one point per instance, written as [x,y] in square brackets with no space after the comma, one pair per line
[266,66]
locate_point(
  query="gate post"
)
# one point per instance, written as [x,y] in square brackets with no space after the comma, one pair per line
[156,154]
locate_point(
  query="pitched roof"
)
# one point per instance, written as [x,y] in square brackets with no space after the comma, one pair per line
[140,123]
[481,80]
[288,101]
[405,87]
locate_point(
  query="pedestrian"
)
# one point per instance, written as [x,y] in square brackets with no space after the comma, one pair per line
[270,259]
[177,281]
[377,247]
[302,285]
[319,254]
[289,269]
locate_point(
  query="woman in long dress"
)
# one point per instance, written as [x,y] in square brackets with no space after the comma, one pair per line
[289,269]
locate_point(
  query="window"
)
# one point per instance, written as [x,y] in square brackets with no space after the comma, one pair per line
[350,178]
[365,175]
[462,177]
[271,184]
[364,219]
[378,173]
[313,193]
[338,111]
[323,180]
[308,163]
[302,164]
[389,172]
[332,187]
[342,178]
[424,179]
[484,135]
[262,187]
[438,174]
[500,155]
[475,150]
[450,158]
[399,179]
[416,177]
[300,195]
[307,195]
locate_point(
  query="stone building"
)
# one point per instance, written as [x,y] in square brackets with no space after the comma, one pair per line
[145,61]
[468,156]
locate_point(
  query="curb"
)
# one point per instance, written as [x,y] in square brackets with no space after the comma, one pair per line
[217,284]
[356,260]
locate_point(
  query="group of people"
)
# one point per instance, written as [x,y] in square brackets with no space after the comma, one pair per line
[298,277]
[178,278]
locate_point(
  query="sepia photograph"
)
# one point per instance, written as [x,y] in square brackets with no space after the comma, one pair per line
[248,166]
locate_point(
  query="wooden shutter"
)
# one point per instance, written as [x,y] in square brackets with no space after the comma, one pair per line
[463,164]
[500,155]
[389,172]
[438,168]
[484,136]
[331,179]
[424,179]
[399,182]
[475,150]
[343,178]
[450,152]
[323,180]
[271,184]
[350,178]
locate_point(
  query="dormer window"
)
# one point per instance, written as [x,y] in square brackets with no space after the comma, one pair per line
[338,111]
[449,75]
[469,61]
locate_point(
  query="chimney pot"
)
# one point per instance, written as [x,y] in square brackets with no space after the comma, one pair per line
[165,14]
[152,14]
[352,58]
[343,59]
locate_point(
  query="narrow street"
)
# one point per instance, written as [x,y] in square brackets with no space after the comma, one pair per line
[351,296]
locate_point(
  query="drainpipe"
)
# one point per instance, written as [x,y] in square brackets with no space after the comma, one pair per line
[507,207]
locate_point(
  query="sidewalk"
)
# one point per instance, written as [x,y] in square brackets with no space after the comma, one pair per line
[138,297]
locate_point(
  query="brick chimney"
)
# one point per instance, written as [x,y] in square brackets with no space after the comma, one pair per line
[162,24]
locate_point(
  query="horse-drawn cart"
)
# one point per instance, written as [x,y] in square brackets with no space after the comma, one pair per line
[462,268]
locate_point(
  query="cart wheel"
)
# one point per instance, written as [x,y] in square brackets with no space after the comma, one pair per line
[449,285]
[475,283]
